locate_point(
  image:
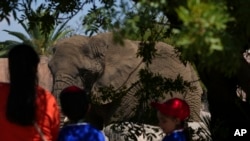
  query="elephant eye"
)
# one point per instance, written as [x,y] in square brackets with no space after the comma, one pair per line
[53,50]
[85,49]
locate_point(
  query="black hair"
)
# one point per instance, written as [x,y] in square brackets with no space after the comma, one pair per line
[74,104]
[23,61]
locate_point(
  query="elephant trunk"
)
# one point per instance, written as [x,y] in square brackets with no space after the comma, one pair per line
[118,110]
[62,81]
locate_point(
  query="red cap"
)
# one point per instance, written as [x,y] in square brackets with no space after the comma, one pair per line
[174,107]
[72,89]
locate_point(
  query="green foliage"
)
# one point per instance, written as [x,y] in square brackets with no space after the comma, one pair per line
[154,86]
[110,94]
[6,7]
[5,47]
[203,31]
[210,34]
[207,20]
[208,37]
[148,88]
[240,27]
[139,22]
[35,36]
[55,11]
[104,17]
[200,29]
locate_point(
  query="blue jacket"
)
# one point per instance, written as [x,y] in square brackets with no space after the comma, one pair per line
[177,135]
[80,132]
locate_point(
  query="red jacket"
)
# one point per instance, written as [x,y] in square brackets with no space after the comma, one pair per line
[48,118]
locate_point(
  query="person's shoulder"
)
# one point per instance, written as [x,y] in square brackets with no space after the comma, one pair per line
[78,127]
[45,95]
[177,135]
[88,132]
[99,135]
[44,92]
[84,126]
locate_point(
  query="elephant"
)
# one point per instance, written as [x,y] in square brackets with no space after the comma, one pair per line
[98,61]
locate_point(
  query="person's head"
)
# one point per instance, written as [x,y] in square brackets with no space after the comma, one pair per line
[172,114]
[23,61]
[74,103]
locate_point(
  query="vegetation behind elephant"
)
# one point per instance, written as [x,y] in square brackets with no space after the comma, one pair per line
[95,62]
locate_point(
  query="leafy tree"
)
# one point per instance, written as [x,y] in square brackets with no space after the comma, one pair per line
[56,11]
[36,38]
[34,33]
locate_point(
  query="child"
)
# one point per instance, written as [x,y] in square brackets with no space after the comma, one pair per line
[172,115]
[75,105]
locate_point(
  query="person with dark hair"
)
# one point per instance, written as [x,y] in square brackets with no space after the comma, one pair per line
[27,111]
[75,105]
[172,116]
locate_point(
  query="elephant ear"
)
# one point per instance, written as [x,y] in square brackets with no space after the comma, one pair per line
[96,48]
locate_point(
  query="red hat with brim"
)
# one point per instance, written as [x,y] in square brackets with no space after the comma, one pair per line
[174,107]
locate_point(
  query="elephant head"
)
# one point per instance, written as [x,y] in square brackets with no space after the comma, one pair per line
[91,63]
[75,62]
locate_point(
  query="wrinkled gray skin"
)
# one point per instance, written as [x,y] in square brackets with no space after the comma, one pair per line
[97,62]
